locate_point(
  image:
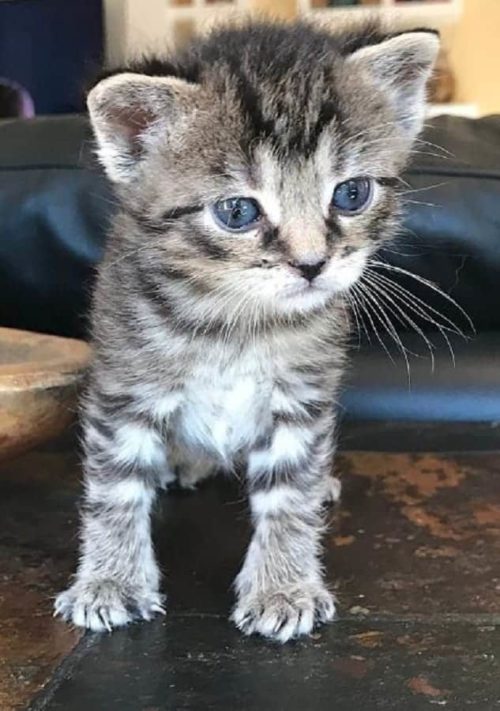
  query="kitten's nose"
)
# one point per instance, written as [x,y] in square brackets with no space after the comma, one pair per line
[309,270]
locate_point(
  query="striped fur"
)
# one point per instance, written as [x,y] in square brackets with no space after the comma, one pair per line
[211,350]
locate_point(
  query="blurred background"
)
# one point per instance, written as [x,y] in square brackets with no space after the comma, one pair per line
[49,47]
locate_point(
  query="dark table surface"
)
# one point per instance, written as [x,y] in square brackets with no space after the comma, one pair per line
[413,552]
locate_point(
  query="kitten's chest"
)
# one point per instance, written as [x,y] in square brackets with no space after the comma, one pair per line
[226,406]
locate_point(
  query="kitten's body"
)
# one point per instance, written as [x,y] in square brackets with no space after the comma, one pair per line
[219,350]
[212,390]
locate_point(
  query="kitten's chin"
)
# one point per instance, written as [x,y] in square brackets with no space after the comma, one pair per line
[304,299]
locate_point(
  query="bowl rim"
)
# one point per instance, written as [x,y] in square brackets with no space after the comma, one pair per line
[72,361]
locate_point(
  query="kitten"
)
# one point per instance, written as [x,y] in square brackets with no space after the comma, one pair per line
[256,172]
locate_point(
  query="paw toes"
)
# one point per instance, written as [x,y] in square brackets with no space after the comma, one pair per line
[244,620]
[282,617]
[77,614]
[103,605]
[275,621]
[289,629]
[334,490]
[306,622]
[324,608]
[156,607]
[104,618]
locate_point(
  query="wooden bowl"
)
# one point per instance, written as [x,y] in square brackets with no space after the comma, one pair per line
[39,377]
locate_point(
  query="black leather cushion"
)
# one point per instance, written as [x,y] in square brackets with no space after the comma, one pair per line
[463,388]
[53,214]
[452,231]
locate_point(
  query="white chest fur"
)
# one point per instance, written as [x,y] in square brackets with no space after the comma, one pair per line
[225,406]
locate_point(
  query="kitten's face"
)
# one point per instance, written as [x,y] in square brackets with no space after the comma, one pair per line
[272,207]
[283,233]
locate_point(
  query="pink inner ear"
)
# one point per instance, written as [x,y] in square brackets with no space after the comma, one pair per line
[131,123]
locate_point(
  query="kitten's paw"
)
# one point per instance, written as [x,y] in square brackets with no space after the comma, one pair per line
[333,490]
[286,614]
[101,605]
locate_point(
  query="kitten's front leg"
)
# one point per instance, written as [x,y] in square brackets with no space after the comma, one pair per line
[117,578]
[280,590]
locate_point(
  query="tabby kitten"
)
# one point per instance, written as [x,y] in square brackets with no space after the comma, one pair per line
[256,173]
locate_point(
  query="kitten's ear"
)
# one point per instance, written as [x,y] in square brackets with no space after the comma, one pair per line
[401,66]
[129,112]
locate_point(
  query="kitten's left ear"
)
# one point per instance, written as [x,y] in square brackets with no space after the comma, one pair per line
[130,113]
[401,67]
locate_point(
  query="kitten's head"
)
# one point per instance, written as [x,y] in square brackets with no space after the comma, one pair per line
[258,169]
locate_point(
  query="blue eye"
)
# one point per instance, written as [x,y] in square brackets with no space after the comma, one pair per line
[237,214]
[353,196]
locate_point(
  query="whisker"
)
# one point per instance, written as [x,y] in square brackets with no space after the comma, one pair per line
[429,284]
[423,189]
[368,312]
[392,331]
[422,203]
[400,297]
[351,303]
[404,319]
[418,304]
[355,297]
[446,152]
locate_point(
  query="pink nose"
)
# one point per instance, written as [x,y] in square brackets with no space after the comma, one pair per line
[309,270]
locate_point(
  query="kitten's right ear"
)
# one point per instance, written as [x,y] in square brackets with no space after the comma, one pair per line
[130,113]
[401,66]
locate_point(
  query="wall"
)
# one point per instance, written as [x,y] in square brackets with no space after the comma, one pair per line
[475,54]
[116,28]
[277,8]
[132,26]
[474,42]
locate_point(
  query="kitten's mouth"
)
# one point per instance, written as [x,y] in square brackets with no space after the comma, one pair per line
[305,296]
[305,287]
